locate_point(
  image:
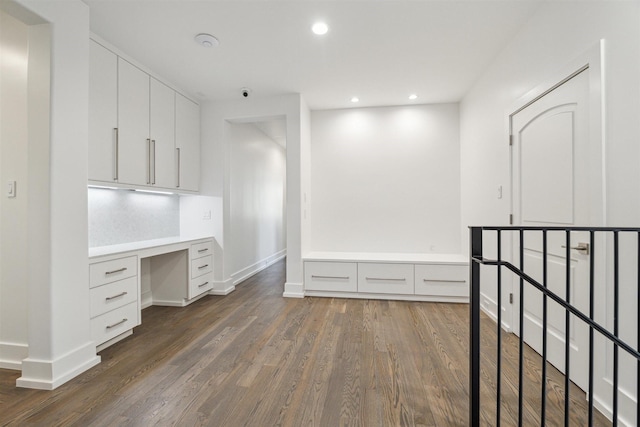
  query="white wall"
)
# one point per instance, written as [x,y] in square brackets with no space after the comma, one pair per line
[386,179]
[215,167]
[258,173]
[60,345]
[14,38]
[557,33]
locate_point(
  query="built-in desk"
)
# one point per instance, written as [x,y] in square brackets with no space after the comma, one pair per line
[125,278]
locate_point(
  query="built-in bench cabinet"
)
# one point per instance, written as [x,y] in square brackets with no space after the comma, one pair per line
[428,277]
[142,133]
[124,279]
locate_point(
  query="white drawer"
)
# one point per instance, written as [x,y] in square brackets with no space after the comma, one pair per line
[331,276]
[114,323]
[200,285]
[113,295]
[442,280]
[201,249]
[111,271]
[201,266]
[383,278]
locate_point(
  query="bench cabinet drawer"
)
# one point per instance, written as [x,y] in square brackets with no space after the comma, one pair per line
[385,278]
[331,276]
[442,280]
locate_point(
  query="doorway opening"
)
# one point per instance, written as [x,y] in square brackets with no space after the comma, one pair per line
[257,195]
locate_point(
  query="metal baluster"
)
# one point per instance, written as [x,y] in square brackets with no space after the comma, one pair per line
[638,337]
[616,297]
[567,332]
[499,330]
[544,331]
[592,242]
[474,312]
[521,340]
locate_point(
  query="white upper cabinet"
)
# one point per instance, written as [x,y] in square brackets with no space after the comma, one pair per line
[141,132]
[134,144]
[187,143]
[103,113]
[162,135]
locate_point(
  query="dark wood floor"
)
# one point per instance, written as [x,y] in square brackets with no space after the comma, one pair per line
[255,358]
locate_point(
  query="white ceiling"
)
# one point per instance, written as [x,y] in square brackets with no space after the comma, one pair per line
[380,51]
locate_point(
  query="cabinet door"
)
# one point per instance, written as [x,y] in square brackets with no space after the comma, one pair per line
[103,113]
[133,121]
[162,134]
[187,143]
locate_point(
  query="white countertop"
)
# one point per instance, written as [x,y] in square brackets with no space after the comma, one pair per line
[409,258]
[136,246]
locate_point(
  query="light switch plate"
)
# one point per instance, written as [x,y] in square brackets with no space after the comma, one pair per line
[11,189]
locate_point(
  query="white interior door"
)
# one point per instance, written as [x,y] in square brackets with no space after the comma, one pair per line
[550,158]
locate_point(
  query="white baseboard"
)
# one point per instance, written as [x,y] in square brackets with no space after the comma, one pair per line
[146,300]
[169,303]
[242,275]
[224,287]
[293,290]
[12,355]
[394,297]
[50,374]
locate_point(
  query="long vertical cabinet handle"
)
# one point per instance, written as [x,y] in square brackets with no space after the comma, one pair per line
[148,161]
[178,168]
[116,148]
[153,179]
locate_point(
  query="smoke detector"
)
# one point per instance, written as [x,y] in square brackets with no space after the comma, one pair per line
[206,40]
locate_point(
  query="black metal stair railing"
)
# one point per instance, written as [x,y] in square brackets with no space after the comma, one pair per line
[570,310]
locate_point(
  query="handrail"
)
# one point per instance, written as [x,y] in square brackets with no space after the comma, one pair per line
[562,302]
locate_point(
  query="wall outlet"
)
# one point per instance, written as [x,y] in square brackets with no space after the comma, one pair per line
[207,215]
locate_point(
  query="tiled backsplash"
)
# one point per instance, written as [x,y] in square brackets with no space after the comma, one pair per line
[123,216]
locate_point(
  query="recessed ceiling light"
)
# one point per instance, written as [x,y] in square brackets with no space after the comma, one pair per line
[413,96]
[320,28]
[355,99]
[206,40]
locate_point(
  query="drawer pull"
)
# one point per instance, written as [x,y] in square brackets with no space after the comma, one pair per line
[203,285]
[121,294]
[203,250]
[120,270]
[444,280]
[203,266]
[117,323]
[330,277]
[387,280]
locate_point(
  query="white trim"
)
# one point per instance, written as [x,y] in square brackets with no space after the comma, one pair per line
[178,303]
[114,340]
[49,374]
[12,354]
[224,287]
[245,273]
[146,299]
[293,290]
[394,297]
[593,61]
